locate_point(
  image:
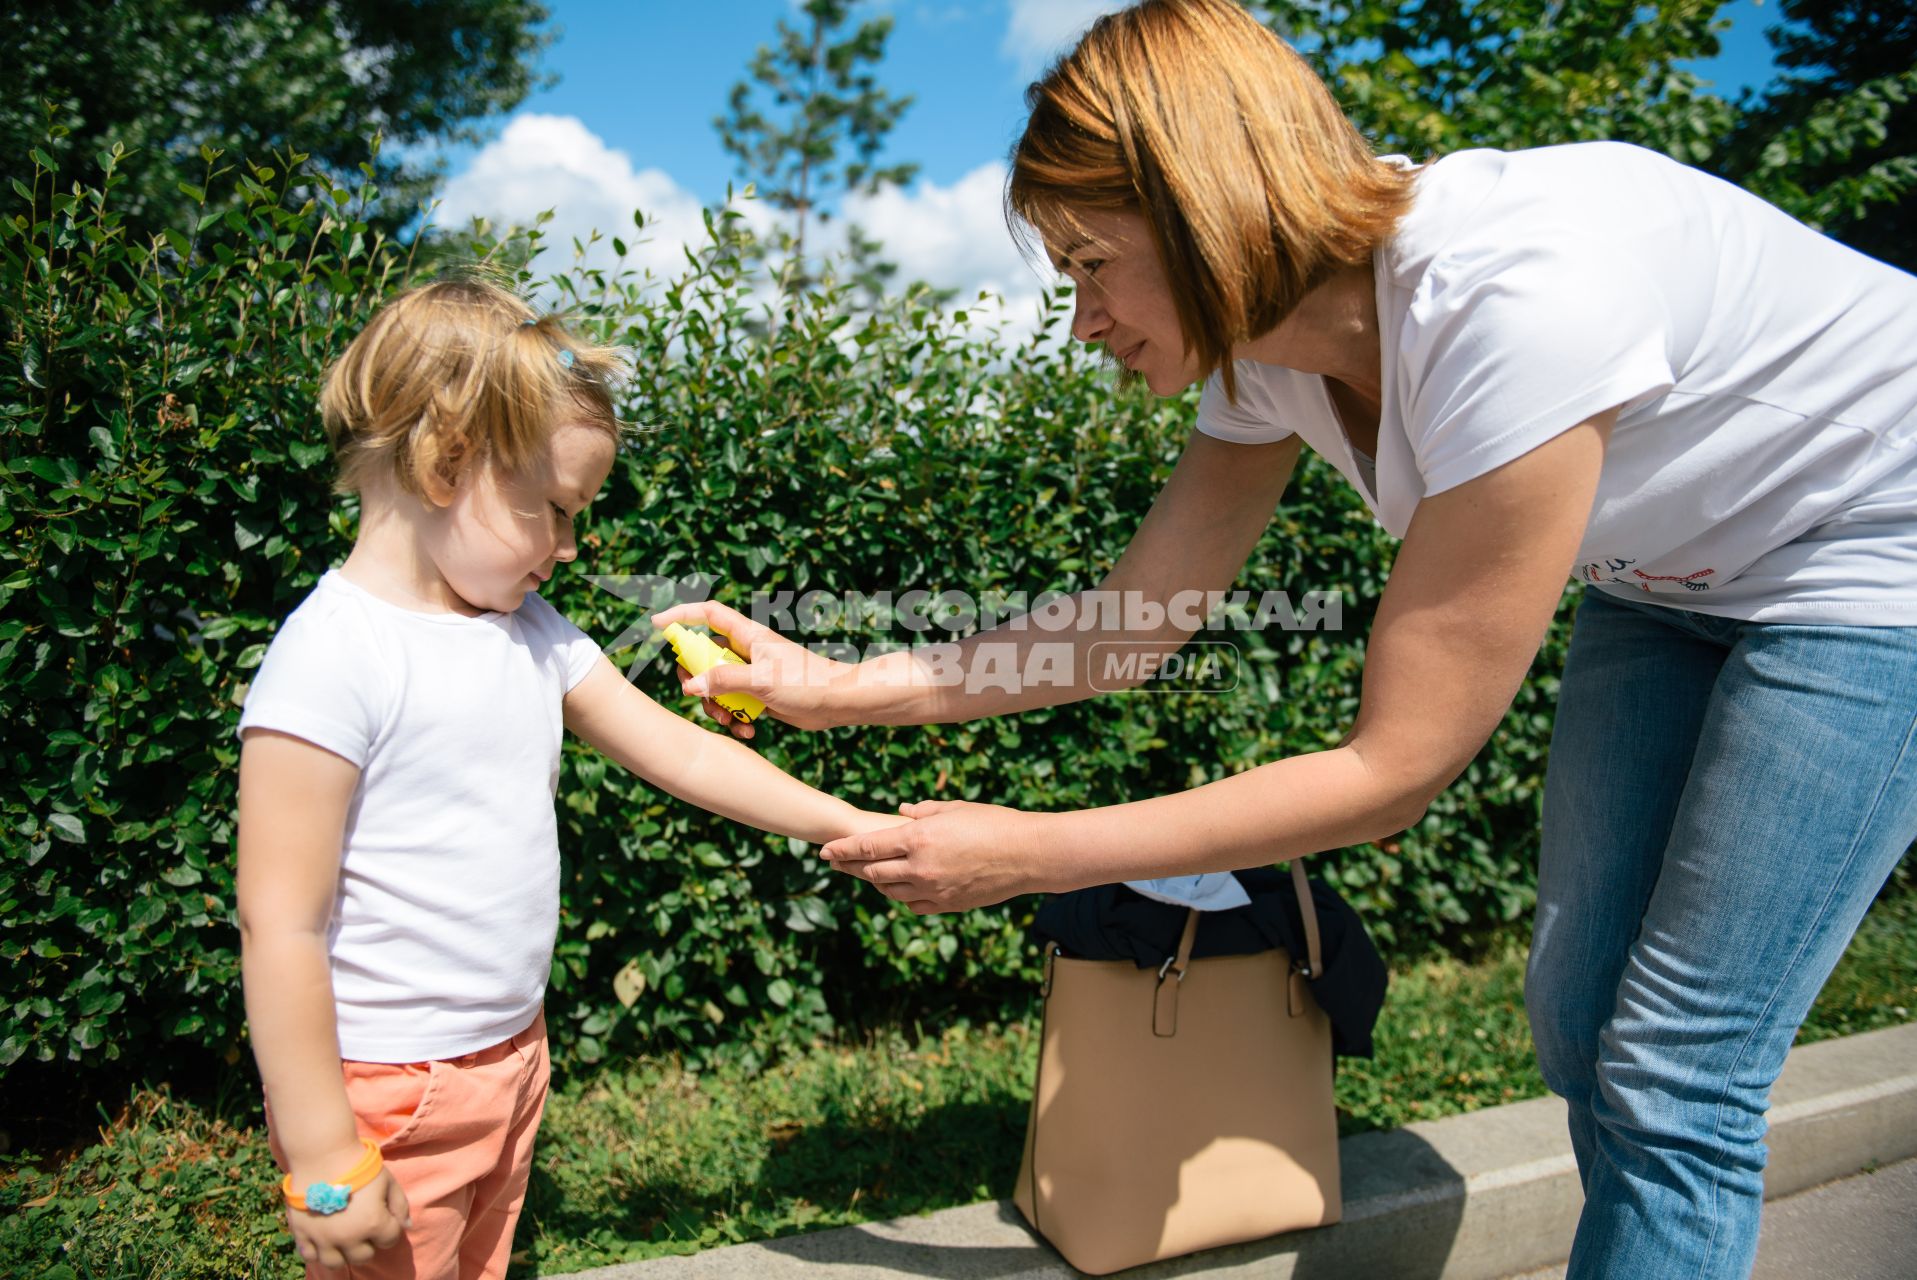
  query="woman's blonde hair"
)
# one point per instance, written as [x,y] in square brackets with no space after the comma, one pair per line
[455,372]
[1193,114]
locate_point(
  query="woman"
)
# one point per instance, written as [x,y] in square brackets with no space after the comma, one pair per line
[1584,360]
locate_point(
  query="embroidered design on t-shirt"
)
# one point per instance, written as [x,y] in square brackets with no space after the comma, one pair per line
[1689,581]
[1610,569]
[1596,572]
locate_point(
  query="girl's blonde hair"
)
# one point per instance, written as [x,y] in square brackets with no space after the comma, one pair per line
[1193,114]
[454,372]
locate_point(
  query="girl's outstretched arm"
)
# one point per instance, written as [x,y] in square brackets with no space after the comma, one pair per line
[293,803]
[704,768]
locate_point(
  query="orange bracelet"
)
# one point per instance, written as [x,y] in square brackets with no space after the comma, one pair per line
[330,1197]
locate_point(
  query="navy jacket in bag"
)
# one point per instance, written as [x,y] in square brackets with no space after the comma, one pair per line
[1111,922]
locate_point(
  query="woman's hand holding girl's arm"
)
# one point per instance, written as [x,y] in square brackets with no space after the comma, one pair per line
[293,803]
[704,768]
[1472,591]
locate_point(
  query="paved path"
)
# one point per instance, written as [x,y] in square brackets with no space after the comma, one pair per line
[1857,1228]
[1487,1194]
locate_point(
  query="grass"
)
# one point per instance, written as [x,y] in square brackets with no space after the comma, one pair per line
[649,1159]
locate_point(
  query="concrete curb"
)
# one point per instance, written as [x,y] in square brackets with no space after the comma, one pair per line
[1471,1197]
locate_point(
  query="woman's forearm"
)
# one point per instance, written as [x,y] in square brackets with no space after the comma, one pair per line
[1080,646]
[1177,567]
[1301,805]
[1214,507]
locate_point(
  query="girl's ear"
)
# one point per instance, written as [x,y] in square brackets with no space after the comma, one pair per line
[438,460]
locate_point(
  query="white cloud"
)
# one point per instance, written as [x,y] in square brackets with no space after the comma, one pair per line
[950,236]
[543,162]
[955,237]
[1040,30]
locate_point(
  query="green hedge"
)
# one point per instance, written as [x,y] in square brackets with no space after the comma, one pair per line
[167,503]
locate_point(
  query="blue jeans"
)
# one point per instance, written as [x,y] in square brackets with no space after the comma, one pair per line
[1723,801]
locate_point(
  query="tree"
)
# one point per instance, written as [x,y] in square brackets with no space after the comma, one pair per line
[819,136]
[1834,140]
[1429,78]
[254,76]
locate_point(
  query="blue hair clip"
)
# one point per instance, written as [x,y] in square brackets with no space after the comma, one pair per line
[565,353]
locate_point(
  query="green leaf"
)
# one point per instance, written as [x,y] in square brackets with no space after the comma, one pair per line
[57,472]
[629,984]
[67,827]
[307,455]
[803,915]
[247,536]
[145,913]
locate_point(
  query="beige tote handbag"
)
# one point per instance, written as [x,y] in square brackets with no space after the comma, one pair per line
[1180,1109]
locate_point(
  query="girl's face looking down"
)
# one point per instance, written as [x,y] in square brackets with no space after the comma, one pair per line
[495,535]
[1123,299]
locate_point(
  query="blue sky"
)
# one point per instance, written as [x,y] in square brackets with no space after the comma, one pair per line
[648,77]
[630,119]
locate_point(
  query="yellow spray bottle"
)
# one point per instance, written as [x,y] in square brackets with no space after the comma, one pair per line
[698,653]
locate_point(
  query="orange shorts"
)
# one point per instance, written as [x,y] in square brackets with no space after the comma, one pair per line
[458,1138]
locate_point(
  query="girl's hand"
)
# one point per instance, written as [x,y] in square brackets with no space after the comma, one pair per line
[376,1217]
[954,855]
[796,685]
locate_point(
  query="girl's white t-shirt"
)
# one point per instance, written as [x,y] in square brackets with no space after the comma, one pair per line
[442,936]
[1764,465]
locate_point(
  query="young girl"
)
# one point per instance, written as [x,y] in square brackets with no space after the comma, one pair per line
[398,851]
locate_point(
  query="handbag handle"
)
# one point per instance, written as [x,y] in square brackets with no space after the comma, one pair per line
[1165,995]
[1175,965]
[1314,959]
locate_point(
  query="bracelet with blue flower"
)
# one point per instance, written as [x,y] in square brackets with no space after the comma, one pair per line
[324,1198]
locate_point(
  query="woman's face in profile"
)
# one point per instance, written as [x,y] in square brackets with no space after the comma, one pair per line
[1123,299]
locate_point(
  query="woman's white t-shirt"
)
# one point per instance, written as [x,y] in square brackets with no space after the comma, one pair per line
[1764,465]
[442,936]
